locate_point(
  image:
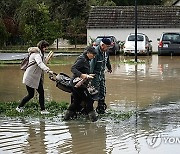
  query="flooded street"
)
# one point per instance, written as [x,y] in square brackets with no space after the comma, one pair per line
[151,89]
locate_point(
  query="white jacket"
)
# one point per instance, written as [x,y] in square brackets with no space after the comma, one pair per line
[33,73]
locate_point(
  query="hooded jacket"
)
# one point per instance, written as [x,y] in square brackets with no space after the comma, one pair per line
[35,72]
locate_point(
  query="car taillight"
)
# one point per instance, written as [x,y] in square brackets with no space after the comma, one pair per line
[160,45]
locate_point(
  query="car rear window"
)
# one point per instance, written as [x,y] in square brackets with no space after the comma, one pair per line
[99,39]
[132,38]
[173,38]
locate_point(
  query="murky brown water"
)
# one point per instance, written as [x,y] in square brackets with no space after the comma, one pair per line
[151,88]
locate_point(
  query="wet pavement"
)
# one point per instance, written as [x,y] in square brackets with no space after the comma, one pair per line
[12,56]
[18,56]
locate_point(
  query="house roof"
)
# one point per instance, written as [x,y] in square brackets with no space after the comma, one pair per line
[123,17]
[176,2]
[171,2]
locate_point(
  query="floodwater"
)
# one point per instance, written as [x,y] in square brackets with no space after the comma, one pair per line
[151,89]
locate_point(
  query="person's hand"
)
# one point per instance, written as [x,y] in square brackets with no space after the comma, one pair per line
[51,72]
[83,76]
[86,76]
[110,71]
[90,76]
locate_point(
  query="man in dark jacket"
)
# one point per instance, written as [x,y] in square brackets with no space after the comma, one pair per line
[97,67]
[80,93]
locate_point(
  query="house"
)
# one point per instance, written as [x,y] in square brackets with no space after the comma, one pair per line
[177,3]
[119,21]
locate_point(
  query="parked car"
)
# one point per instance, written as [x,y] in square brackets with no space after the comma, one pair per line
[115,46]
[169,44]
[144,46]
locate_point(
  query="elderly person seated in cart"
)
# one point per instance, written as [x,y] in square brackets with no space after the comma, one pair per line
[79,83]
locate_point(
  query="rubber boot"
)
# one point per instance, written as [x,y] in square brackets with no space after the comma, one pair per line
[101,107]
[69,115]
[92,116]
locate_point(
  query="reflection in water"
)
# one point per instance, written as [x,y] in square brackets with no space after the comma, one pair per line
[36,138]
[84,138]
[151,89]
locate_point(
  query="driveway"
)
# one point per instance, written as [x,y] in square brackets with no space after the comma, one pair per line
[12,56]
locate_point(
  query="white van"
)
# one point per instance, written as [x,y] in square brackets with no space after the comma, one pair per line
[144,46]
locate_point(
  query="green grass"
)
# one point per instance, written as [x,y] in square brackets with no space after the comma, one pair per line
[52,61]
[132,61]
[60,62]
[117,115]
[32,108]
[2,62]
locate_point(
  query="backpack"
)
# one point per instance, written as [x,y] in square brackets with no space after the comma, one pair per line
[25,63]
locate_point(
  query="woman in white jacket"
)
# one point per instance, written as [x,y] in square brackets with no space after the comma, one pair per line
[34,75]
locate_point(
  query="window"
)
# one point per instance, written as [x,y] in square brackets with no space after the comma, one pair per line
[173,38]
[132,38]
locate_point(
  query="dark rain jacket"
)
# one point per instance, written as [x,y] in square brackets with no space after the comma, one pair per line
[81,66]
[100,62]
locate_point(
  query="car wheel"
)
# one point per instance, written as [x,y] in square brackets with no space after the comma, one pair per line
[148,52]
[159,54]
[125,54]
[112,51]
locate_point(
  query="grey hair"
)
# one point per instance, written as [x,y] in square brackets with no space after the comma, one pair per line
[101,43]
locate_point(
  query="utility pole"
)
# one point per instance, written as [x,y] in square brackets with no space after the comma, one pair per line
[135,14]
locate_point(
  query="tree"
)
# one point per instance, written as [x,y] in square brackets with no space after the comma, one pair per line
[8,20]
[36,24]
[73,15]
[3,33]
[109,3]
[8,7]
[76,31]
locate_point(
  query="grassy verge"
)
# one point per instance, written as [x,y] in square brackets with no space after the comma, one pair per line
[31,109]
[132,61]
[23,48]
[117,115]
[10,62]
[52,61]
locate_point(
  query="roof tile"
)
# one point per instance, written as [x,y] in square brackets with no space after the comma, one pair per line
[123,17]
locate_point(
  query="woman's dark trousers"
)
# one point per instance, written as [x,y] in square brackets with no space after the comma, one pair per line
[30,95]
